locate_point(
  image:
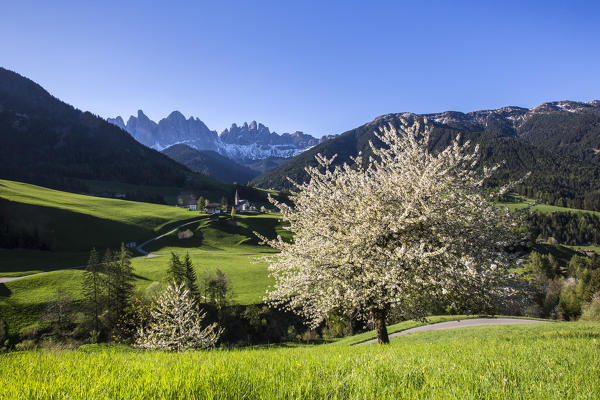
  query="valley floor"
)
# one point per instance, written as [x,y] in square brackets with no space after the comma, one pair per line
[537,361]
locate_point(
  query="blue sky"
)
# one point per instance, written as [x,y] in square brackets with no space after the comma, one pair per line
[320,67]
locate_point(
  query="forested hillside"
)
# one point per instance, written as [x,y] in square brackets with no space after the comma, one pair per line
[561,155]
[210,163]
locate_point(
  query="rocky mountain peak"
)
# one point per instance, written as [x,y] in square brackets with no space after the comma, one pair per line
[177,116]
[250,141]
[118,121]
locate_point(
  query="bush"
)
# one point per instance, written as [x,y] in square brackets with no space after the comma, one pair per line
[26,345]
[30,332]
[177,323]
[568,305]
[3,335]
[591,311]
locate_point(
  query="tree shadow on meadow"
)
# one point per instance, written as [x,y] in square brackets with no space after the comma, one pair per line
[4,291]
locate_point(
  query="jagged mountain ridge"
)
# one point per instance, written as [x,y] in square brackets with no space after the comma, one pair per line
[248,142]
[558,141]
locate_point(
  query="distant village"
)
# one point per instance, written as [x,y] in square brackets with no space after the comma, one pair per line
[203,205]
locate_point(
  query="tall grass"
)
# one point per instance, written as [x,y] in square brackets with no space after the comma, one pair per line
[545,361]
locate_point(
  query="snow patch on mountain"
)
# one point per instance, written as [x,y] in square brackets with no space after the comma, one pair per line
[249,141]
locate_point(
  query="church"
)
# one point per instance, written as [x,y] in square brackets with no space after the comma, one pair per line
[241,204]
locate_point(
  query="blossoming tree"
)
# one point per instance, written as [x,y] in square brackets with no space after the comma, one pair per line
[177,323]
[408,227]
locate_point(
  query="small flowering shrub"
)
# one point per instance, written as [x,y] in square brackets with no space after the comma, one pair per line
[177,324]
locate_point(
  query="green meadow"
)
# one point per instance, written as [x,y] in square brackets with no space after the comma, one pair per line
[556,361]
[520,202]
[73,224]
[545,361]
[86,221]
[227,245]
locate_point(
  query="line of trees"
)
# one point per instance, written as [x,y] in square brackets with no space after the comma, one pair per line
[566,227]
[108,289]
[564,292]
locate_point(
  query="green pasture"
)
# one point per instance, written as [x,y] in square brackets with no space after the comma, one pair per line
[545,361]
[78,222]
[19,262]
[595,248]
[520,202]
[230,246]
[73,224]
[169,193]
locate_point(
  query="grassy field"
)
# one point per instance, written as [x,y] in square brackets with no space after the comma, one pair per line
[73,224]
[25,262]
[230,247]
[595,248]
[168,193]
[521,202]
[79,221]
[546,361]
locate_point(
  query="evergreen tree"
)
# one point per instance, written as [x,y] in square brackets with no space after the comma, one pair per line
[94,286]
[190,277]
[232,213]
[120,283]
[176,271]
[109,284]
[224,205]
[201,203]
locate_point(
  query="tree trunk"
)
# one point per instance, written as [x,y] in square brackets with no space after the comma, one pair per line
[379,317]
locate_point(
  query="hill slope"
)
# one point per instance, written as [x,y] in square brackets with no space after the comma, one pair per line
[62,221]
[562,156]
[48,142]
[210,163]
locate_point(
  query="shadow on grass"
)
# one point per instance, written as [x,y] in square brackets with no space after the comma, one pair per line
[4,291]
[143,278]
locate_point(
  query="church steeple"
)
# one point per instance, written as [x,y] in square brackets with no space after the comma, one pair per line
[237,198]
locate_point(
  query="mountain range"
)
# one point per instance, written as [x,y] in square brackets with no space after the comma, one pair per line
[246,143]
[559,142]
[50,143]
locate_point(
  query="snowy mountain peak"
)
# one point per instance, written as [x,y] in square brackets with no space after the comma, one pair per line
[250,141]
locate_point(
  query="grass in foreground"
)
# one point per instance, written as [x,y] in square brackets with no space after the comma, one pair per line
[546,361]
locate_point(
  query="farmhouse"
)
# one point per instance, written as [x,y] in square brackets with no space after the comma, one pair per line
[213,208]
[587,252]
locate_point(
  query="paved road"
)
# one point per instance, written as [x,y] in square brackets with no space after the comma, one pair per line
[464,323]
[139,248]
